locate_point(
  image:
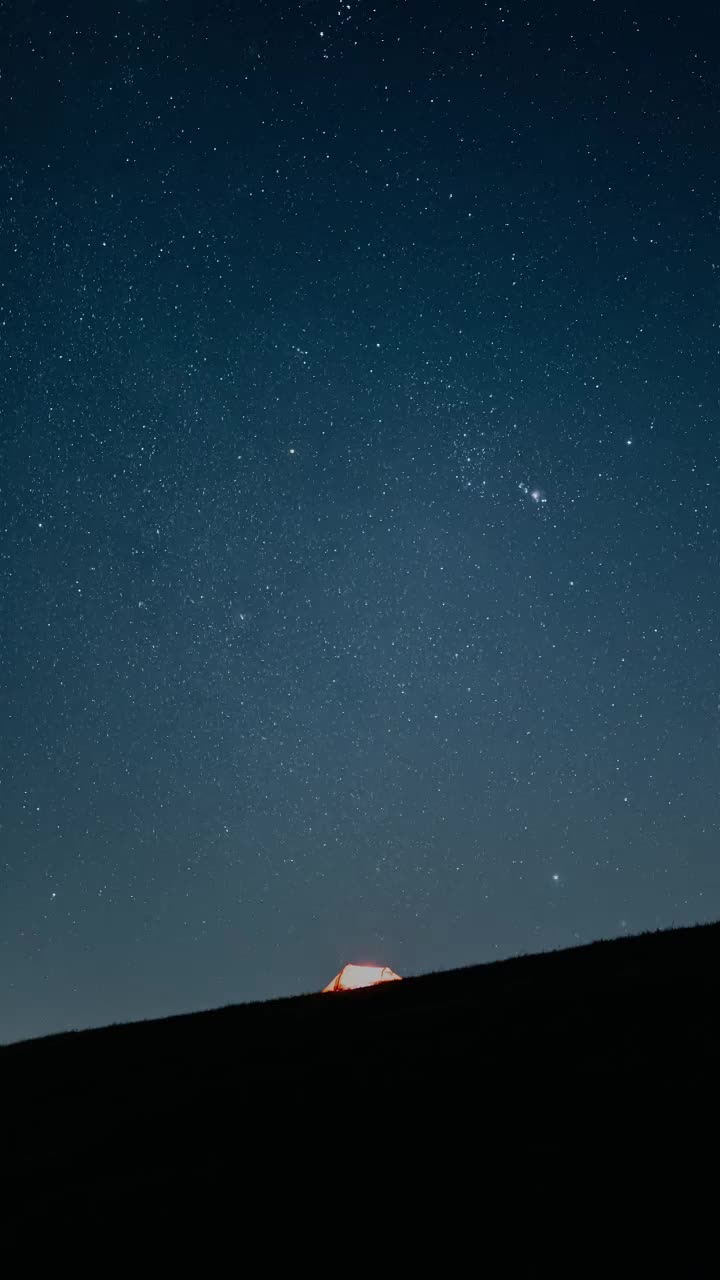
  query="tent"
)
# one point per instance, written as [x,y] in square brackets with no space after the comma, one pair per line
[361,975]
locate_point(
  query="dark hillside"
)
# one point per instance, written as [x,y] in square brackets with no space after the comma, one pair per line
[541,1050]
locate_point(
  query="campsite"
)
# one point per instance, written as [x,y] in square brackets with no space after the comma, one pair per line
[582,1046]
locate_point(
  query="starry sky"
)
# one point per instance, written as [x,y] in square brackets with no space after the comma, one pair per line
[360,555]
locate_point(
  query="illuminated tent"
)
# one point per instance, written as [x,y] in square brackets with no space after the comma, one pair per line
[361,975]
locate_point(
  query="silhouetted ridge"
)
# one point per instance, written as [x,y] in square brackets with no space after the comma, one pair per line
[533,1046]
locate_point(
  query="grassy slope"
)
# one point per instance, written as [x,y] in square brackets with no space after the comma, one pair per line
[536,1052]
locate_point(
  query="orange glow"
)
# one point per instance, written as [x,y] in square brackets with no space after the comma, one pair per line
[354,976]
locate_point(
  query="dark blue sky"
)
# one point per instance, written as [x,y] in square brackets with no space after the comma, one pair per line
[360,519]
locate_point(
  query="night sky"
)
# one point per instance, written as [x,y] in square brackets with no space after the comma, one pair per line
[360,556]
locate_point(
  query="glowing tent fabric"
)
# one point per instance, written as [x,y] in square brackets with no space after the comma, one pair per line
[354,976]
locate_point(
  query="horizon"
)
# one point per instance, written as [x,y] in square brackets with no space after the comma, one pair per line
[529,956]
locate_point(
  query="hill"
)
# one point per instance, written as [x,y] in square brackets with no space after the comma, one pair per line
[532,1053]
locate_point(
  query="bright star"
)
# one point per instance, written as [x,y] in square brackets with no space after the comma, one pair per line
[537,495]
